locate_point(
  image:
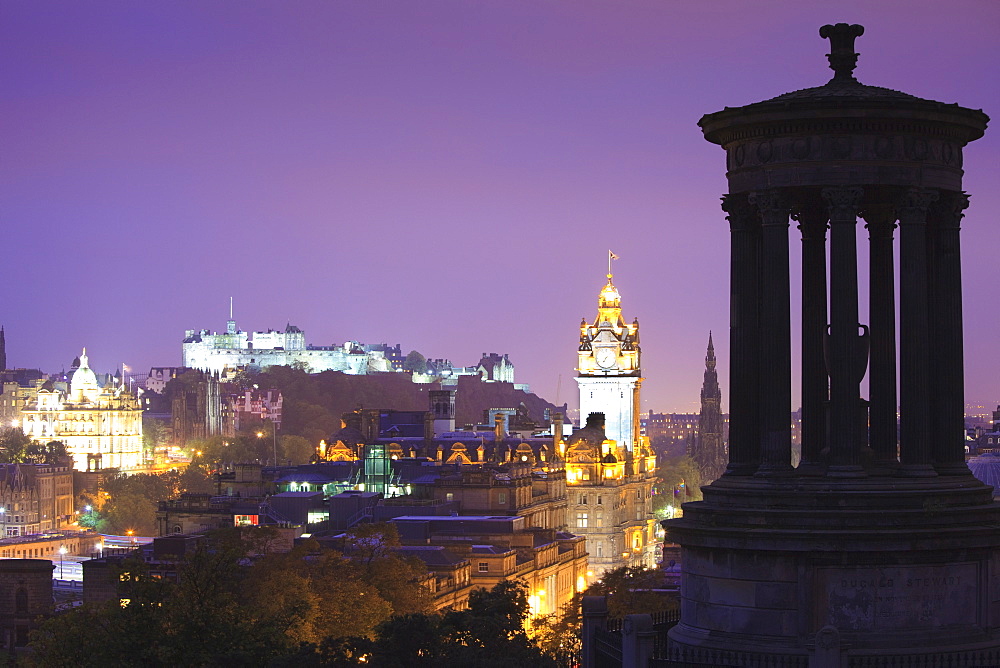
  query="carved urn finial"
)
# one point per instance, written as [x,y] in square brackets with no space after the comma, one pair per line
[842,57]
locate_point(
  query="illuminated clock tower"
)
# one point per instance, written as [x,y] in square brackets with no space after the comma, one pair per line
[608,371]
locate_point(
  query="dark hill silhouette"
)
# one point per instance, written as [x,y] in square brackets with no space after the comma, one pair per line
[313,403]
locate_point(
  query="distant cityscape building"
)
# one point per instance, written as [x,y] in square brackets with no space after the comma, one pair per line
[35,498]
[223,353]
[159,376]
[708,449]
[987,439]
[218,352]
[101,427]
[670,427]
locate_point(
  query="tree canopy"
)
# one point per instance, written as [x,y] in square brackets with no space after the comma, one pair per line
[235,604]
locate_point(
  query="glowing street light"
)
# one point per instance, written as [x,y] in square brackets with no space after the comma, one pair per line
[62,552]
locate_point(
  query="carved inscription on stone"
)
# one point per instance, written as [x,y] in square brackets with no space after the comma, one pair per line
[898,597]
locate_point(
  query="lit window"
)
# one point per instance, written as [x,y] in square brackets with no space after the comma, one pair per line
[581,520]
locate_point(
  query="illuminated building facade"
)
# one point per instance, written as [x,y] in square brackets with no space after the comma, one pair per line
[609,498]
[218,352]
[34,498]
[608,371]
[609,466]
[101,427]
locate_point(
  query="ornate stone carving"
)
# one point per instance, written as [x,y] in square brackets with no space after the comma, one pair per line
[951,208]
[740,214]
[772,203]
[765,151]
[801,147]
[842,57]
[913,204]
[843,203]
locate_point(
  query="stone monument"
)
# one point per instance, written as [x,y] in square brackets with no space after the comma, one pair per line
[875,550]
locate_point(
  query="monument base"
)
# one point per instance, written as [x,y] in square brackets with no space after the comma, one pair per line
[844,569]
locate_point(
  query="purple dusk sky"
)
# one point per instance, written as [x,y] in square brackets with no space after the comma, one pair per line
[448,175]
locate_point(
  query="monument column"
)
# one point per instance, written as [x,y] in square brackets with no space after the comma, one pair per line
[775,335]
[914,340]
[812,219]
[948,392]
[847,355]
[881,221]
[744,321]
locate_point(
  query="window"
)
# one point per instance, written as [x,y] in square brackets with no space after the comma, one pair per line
[449,496]
[581,520]
[598,500]
[484,567]
[502,497]
[583,499]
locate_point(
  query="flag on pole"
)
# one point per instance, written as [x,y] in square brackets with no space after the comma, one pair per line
[613,256]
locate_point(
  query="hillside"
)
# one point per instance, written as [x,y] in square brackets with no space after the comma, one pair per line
[314,403]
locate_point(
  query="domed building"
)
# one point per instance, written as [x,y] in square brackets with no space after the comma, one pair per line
[100,426]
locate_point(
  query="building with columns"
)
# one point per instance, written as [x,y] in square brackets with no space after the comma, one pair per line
[875,549]
[100,426]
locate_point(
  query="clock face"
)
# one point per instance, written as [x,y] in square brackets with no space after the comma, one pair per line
[605,357]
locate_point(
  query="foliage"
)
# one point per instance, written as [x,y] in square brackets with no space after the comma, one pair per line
[53,452]
[559,633]
[489,633]
[13,445]
[631,591]
[235,603]
[128,502]
[195,479]
[415,362]
[154,434]
[679,482]
[296,449]
[91,519]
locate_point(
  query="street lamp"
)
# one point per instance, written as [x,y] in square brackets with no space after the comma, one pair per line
[62,552]
[3,522]
[131,534]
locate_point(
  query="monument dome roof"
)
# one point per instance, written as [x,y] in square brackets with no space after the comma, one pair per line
[843,96]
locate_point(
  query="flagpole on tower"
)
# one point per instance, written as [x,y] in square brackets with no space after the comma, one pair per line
[611,256]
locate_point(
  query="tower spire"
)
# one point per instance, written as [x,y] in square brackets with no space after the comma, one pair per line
[230,324]
[708,449]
